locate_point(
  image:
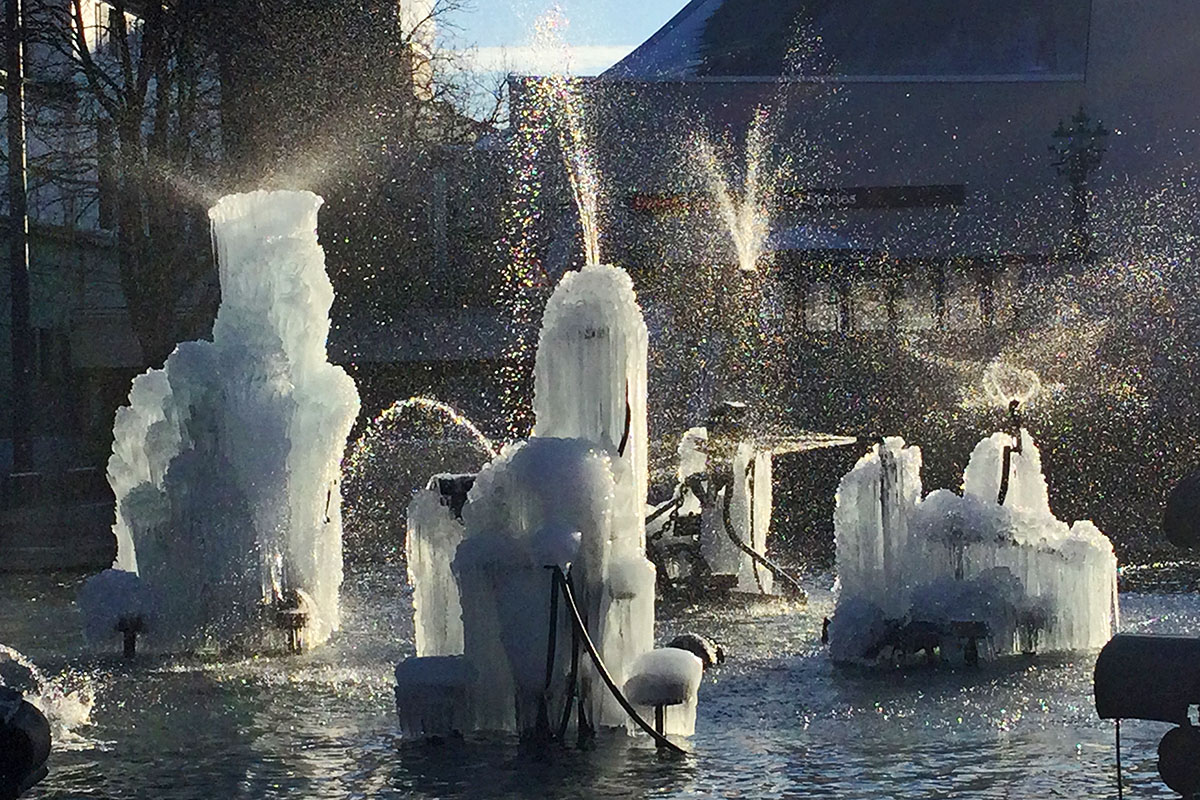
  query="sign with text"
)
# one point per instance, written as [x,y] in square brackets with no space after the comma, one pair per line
[818,199]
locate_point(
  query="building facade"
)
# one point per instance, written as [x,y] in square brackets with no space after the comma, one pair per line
[924,180]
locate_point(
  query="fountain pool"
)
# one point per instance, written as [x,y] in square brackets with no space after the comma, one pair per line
[777,720]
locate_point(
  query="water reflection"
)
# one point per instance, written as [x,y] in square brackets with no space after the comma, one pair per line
[778,719]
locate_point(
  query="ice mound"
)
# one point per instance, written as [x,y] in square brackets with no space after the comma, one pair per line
[590,373]
[569,501]
[502,565]
[960,568]
[667,677]
[226,461]
[111,600]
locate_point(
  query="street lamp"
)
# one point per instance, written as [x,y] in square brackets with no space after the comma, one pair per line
[21,398]
[1078,150]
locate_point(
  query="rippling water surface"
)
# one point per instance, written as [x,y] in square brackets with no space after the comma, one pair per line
[778,720]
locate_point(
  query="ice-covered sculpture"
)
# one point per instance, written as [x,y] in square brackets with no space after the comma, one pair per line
[749,516]
[226,461]
[568,502]
[435,530]
[991,568]
[715,563]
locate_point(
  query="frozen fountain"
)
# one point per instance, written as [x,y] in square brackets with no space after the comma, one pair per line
[709,539]
[226,462]
[947,574]
[548,562]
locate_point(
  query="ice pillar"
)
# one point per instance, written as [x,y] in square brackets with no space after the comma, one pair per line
[226,462]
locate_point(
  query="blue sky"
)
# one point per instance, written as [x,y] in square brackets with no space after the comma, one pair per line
[600,32]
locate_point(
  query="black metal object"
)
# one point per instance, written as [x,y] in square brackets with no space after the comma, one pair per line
[1015,424]
[129,628]
[1181,517]
[1147,677]
[543,719]
[573,679]
[454,490]
[628,423]
[677,541]
[1154,678]
[709,652]
[24,744]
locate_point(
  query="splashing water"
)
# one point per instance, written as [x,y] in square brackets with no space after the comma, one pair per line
[396,454]
[1004,382]
[551,117]
[65,710]
[559,95]
[746,213]
[389,415]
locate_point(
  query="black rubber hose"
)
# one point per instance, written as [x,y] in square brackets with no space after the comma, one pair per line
[758,557]
[1005,470]
[543,720]
[750,495]
[573,681]
[673,503]
[568,595]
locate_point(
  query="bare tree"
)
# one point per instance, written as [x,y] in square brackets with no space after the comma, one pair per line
[147,129]
[181,100]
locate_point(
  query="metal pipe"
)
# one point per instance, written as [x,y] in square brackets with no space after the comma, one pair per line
[573,680]
[670,505]
[1120,790]
[543,719]
[569,597]
[21,404]
[1006,468]
[776,570]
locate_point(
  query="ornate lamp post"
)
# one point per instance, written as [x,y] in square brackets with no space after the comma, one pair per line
[1078,150]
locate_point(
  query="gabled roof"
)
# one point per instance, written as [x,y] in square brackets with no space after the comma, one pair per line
[674,50]
[724,39]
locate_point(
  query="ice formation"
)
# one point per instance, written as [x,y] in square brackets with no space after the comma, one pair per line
[750,517]
[990,567]
[748,469]
[435,529]
[590,374]
[668,680]
[568,501]
[113,600]
[226,461]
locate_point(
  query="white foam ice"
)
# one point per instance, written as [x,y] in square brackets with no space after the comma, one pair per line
[948,559]
[571,496]
[226,462]
[667,677]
